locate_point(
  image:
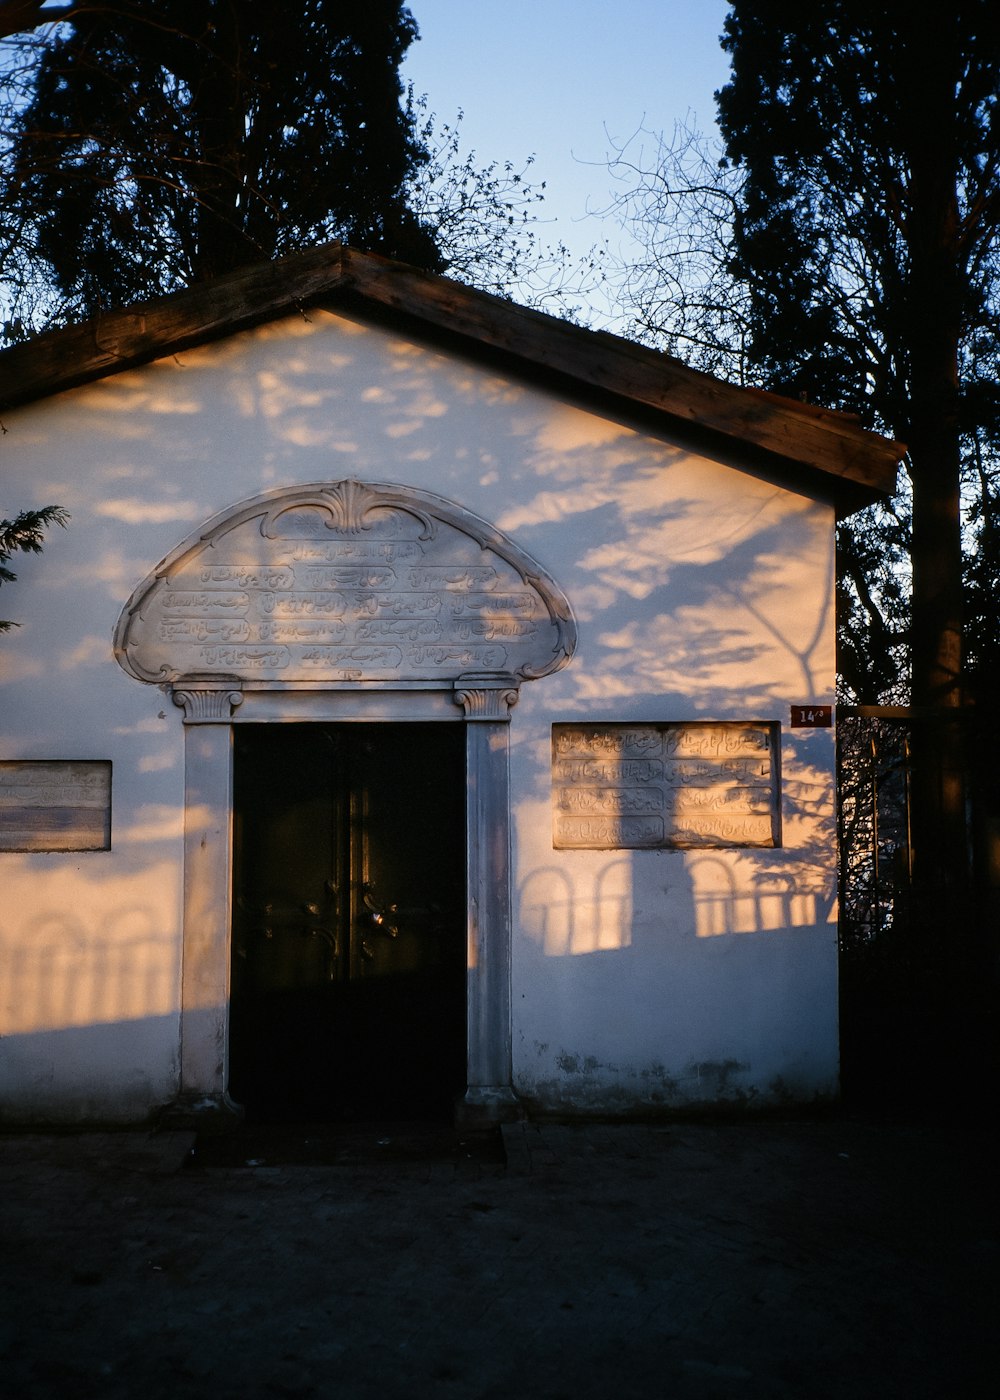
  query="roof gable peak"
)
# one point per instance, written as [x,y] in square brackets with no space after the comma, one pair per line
[856,461]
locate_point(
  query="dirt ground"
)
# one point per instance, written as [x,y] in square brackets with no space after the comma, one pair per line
[805,1259]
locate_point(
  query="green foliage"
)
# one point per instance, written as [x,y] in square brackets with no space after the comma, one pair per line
[835,117]
[982,584]
[867,236]
[146,144]
[845,250]
[24,534]
[158,142]
[873,605]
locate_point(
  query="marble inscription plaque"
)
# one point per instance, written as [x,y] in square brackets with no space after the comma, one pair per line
[665,786]
[47,805]
[341,583]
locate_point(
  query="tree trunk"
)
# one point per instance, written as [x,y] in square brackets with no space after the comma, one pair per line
[218,82]
[941,939]
[932,333]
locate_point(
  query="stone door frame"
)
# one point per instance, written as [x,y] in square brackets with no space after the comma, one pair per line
[339,601]
[211,710]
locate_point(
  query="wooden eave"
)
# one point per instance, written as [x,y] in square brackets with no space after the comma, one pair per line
[830,443]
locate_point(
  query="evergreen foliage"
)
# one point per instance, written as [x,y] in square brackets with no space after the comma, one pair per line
[846,251]
[148,144]
[161,142]
[24,534]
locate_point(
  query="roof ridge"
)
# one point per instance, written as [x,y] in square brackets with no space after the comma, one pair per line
[825,440]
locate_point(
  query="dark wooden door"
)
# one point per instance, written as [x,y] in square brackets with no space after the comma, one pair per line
[349,926]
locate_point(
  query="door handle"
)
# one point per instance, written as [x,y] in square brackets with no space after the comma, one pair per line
[379,915]
[380,918]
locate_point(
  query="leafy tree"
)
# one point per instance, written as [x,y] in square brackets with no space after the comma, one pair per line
[145,144]
[867,234]
[846,252]
[159,142]
[24,534]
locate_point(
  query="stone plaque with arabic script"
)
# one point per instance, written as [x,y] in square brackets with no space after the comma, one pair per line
[345,582]
[665,786]
[47,805]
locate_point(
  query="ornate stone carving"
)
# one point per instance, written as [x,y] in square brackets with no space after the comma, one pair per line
[341,583]
[487,697]
[656,786]
[208,706]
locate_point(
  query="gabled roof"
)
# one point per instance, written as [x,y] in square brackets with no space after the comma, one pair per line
[828,453]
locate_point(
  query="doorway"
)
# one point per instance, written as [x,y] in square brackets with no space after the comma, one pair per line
[348,950]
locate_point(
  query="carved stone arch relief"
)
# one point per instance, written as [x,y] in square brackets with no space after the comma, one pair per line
[340,589]
[347,582]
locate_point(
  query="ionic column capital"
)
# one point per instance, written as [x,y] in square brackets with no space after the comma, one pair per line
[207,706]
[490,698]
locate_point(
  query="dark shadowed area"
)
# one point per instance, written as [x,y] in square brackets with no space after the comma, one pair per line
[695,1260]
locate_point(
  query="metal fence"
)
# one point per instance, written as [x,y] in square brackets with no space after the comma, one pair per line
[873,759]
[919,963]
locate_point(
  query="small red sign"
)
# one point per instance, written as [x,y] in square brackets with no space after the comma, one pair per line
[812,716]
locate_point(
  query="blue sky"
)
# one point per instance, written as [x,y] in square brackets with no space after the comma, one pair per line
[562,79]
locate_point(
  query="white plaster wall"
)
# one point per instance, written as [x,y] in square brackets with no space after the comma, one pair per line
[701,592]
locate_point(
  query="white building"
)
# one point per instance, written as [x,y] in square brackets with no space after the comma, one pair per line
[406,712]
